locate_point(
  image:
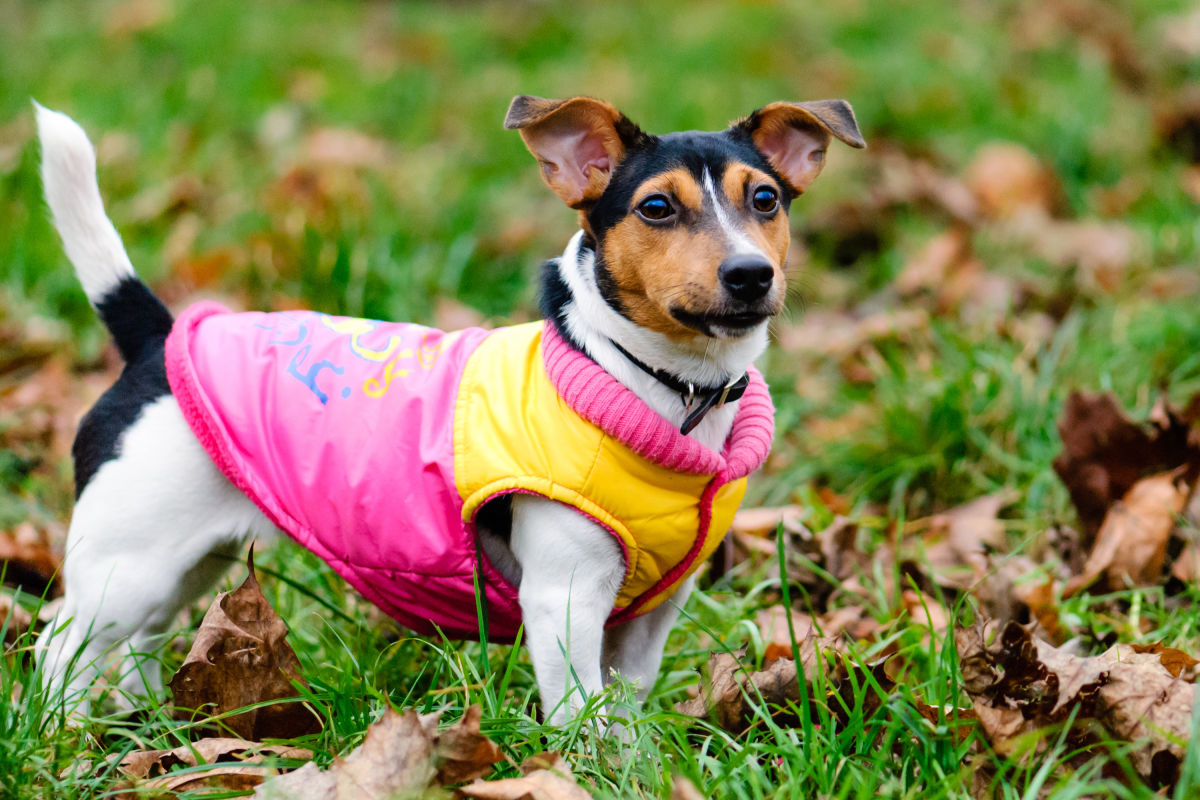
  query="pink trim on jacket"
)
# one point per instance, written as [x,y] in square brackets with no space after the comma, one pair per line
[606,402]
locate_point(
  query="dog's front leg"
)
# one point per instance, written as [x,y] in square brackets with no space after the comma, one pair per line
[571,571]
[634,651]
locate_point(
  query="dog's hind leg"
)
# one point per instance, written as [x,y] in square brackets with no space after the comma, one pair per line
[153,529]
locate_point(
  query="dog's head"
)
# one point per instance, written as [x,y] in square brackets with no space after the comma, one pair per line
[691,228]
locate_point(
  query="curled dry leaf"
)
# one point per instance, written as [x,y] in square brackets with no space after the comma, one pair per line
[1131,546]
[1105,453]
[543,777]
[1176,662]
[241,657]
[403,754]
[462,752]
[1020,685]
[237,764]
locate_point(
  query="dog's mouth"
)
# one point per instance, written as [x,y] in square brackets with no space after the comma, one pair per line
[727,324]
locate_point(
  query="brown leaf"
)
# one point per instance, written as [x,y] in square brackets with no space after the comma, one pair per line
[773,626]
[544,777]
[1187,566]
[462,752]
[27,558]
[1176,662]
[1008,180]
[240,657]
[1131,546]
[403,754]
[959,539]
[238,765]
[925,611]
[763,522]
[1020,684]
[1105,454]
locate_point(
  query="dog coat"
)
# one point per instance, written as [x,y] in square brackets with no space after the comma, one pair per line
[375,445]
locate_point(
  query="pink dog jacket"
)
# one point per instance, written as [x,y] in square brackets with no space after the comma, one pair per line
[375,444]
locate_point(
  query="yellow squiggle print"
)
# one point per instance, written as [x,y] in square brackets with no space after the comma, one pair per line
[361,327]
[374,387]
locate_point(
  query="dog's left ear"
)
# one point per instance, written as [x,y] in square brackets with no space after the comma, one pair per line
[794,136]
[578,142]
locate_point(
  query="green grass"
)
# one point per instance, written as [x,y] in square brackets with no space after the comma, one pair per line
[216,102]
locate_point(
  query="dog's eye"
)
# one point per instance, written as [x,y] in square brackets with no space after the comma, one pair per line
[765,200]
[655,208]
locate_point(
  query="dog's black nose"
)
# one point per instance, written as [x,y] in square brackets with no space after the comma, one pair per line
[747,277]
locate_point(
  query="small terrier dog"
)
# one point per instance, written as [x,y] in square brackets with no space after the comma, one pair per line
[568,475]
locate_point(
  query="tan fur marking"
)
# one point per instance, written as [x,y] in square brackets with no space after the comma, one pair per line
[660,268]
[677,183]
[771,236]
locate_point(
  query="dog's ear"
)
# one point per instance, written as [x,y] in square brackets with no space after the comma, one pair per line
[578,142]
[793,136]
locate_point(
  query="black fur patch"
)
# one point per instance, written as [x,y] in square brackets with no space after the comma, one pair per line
[139,324]
[141,382]
[134,316]
[554,296]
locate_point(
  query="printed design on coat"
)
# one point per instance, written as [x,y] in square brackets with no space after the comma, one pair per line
[375,352]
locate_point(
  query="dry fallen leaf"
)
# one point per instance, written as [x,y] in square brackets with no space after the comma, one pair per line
[403,754]
[1131,546]
[237,765]
[926,611]
[1105,454]
[1020,685]
[1008,180]
[240,657]
[764,521]
[773,626]
[959,540]
[1176,662]
[544,777]
[462,752]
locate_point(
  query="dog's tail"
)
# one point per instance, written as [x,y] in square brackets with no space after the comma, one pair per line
[127,307]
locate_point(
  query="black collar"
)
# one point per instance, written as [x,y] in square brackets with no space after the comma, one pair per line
[708,397]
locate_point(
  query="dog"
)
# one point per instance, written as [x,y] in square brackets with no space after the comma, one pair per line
[572,474]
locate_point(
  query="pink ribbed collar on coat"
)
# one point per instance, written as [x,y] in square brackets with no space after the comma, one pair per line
[605,402]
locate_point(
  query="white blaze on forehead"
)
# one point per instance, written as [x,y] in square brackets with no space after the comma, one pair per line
[739,242]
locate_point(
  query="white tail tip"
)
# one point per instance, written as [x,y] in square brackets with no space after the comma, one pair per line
[69,181]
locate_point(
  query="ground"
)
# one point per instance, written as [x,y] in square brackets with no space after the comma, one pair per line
[1023,225]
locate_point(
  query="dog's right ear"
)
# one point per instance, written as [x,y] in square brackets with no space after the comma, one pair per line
[578,142]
